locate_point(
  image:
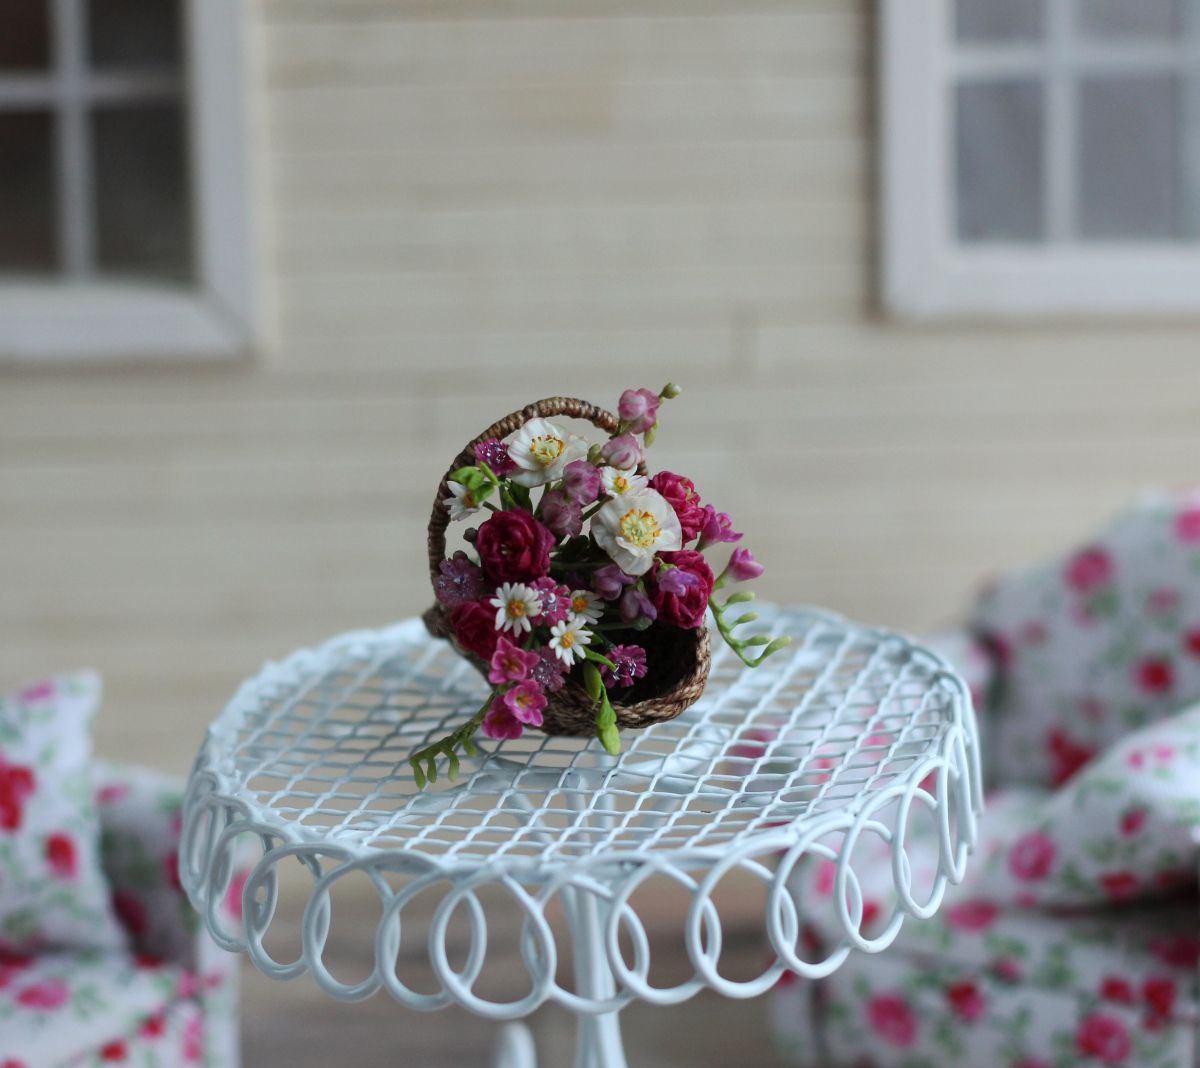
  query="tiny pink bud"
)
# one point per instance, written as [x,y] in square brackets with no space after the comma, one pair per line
[743,567]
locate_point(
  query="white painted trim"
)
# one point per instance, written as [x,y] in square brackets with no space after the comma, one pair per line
[65,323]
[218,317]
[926,273]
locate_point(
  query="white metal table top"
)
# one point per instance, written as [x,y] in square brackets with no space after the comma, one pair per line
[850,732]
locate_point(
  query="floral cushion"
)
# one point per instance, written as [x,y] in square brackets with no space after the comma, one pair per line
[1096,643]
[93,1007]
[994,982]
[897,1011]
[52,890]
[1123,828]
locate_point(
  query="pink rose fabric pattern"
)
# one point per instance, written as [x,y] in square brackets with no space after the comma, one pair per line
[53,893]
[1094,644]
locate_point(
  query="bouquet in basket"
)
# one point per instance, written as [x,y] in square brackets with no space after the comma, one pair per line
[584,601]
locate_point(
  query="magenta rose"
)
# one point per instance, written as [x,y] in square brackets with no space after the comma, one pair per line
[684,608]
[681,494]
[474,626]
[514,547]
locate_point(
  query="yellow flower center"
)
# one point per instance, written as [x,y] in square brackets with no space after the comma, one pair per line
[620,484]
[546,449]
[524,699]
[515,609]
[640,528]
[579,604]
[567,639]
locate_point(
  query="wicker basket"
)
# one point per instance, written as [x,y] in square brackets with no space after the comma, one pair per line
[679,659]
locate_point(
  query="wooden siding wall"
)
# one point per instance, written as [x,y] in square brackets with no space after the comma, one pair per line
[473,203]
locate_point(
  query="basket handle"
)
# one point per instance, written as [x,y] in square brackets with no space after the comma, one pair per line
[571,407]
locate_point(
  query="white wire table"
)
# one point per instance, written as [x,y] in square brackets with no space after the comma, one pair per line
[851,733]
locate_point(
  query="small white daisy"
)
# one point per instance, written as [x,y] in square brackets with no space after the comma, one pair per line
[617,482]
[585,606]
[459,502]
[515,603]
[568,638]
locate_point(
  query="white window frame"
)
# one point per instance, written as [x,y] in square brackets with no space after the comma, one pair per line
[216,316]
[926,273]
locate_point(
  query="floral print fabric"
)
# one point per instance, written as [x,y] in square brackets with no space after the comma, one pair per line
[167,1001]
[1094,644]
[52,890]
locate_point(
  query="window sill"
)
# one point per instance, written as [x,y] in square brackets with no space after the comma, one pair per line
[114,322]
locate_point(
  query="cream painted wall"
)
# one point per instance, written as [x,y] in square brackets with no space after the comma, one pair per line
[475,203]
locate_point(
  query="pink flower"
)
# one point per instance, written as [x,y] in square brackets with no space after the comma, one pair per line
[716,527]
[965,1000]
[1162,602]
[1066,756]
[1118,989]
[562,516]
[1032,856]
[153,1026]
[685,610]
[513,547]
[1103,1037]
[48,994]
[1089,569]
[60,856]
[743,567]
[1132,820]
[549,672]
[193,1039]
[111,793]
[892,1019]
[976,915]
[556,602]
[130,912]
[581,481]
[494,453]
[233,896]
[1191,641]
[610,581]
[474,626]
[114,1051]
[525,702]
[622,452]
[629,665]
[39,691]
[1007,969]
[639,409]
[510,663]
[459,581]
[1118,884]
[1187,525]
[681,495]
[1155,675]
[499,723]
[1159,995]
[1180,952]
[16,784]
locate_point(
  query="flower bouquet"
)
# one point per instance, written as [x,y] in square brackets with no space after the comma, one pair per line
[585,607]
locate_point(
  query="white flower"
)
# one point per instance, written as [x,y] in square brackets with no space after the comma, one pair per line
[585,606]
[633,527]
[567,639]
[617,482]
[515,603]
[459,502]
[541,450]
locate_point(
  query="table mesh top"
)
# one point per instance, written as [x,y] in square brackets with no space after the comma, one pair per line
[318,746]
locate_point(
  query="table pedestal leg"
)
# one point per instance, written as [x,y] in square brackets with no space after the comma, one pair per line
[597,1037]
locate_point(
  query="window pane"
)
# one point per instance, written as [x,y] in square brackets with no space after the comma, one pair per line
[998,155]
[134,33]
[998,20]
[142,210]
[1130,18]
[1129,158]
[24,35]
[27,230]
